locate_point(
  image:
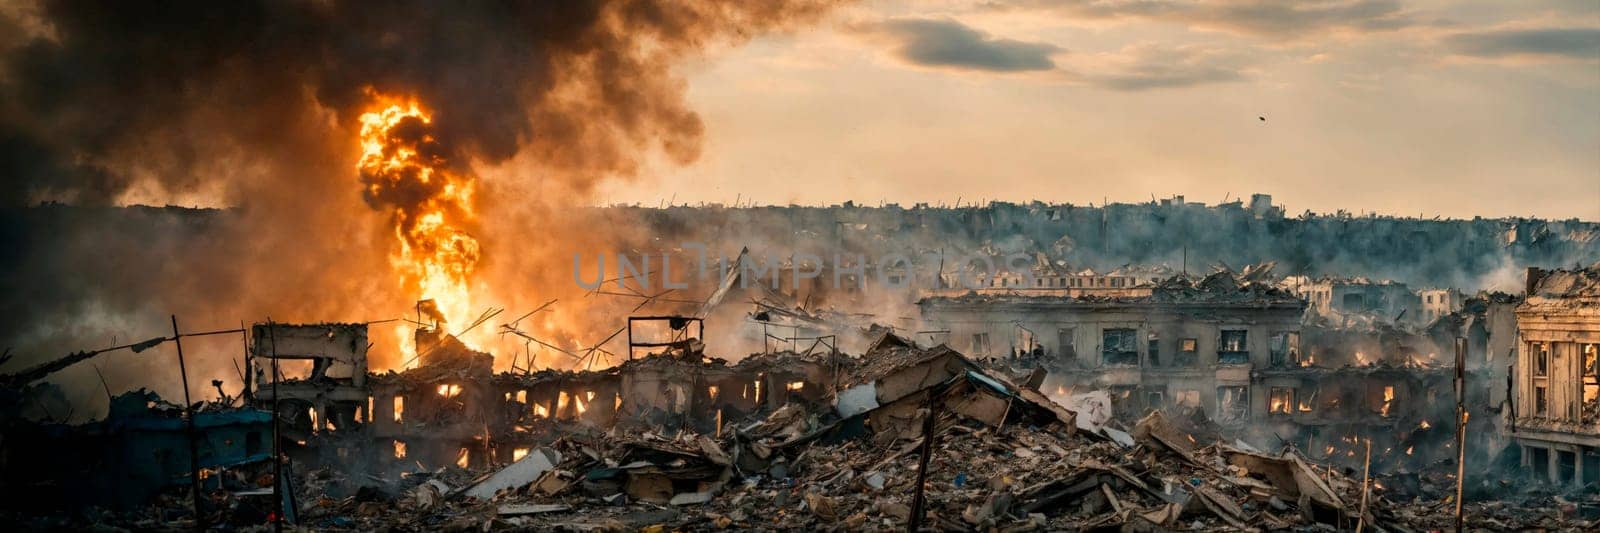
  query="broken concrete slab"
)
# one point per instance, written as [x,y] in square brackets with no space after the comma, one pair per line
[517,475]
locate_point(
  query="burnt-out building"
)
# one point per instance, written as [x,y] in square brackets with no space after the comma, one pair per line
[452,408]
[1556,384]
[1180,343]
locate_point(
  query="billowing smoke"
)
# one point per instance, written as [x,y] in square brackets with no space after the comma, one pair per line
[257,105]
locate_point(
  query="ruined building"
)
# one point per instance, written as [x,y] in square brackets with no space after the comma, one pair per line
[1557,388]
[1248,356]
[1176,344]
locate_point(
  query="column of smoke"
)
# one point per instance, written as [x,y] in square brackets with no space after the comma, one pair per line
[257,105]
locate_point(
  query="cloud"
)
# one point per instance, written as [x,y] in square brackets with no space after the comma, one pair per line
[1555,43]
[946,43]
[951,45]
[1149,66]
[1278,19]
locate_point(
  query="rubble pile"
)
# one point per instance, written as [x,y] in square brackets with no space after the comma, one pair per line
[978,449]
[1031,465]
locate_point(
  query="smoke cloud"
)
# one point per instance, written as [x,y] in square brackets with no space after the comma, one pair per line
[256,105]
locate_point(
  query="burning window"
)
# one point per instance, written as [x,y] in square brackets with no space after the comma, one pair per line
[796,385]
[1383,400]
[1233,403]
[399,409]
[518,453]
[1119,346]
[1280,401]
[463,458]
[522,396]
[711,392]
[1188,353]
[579,406]
[449,390]
[1232,348]
[399,450]
[1307,401]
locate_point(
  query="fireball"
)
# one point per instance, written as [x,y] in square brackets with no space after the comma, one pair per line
[408,173]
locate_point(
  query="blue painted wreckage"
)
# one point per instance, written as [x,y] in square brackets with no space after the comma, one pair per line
[125,459]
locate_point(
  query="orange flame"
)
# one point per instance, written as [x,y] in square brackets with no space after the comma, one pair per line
[407,173]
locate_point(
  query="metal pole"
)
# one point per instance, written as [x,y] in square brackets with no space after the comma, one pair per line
[249,371]
[1366,482]
[277,446]
[918,500]
[188,429]
[1461,427]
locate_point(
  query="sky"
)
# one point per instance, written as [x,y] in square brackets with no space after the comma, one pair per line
[1454,109]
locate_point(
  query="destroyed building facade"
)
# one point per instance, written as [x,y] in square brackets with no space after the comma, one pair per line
[1557,388]
[1176,344]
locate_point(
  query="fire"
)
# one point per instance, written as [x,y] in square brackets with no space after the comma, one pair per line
[407,172]
[1388,399]
[1424,425]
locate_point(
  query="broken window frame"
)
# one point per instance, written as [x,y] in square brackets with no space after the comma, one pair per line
[1284,349]
[1119,346]
[1153,348]
[1541,359]
[1188,353]
[980,343]
[1154,400]
[1064,340]
[1233,403]
[1231,353]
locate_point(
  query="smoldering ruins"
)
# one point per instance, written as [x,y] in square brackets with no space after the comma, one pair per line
[374,322]
[1086,391]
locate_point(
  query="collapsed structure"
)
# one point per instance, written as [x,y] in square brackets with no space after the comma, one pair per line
[1046,396]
